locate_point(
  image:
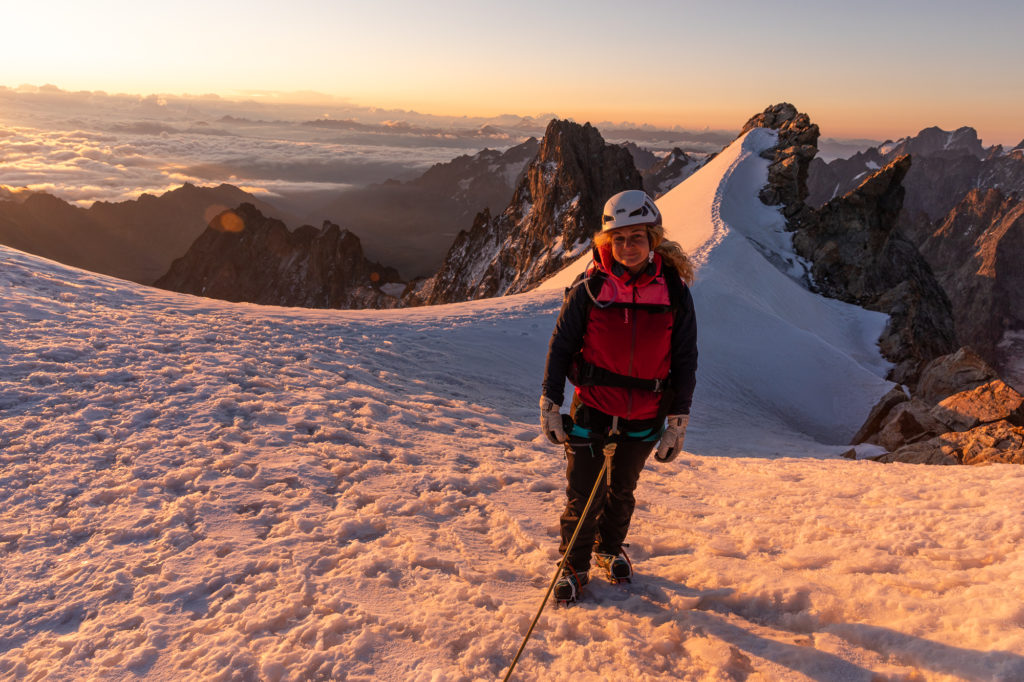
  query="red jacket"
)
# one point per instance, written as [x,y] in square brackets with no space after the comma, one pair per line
[631,329]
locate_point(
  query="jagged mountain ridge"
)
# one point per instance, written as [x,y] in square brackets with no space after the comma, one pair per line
[958,226]
[946,165]
[135,240]
[855,252]
[553,214]
[411,225]
[246,256]
[572,172]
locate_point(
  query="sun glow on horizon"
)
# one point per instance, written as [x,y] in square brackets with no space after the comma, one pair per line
[692,65]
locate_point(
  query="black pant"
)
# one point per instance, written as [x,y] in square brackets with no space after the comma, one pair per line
[607,522]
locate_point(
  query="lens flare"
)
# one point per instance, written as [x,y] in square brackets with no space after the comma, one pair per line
[227,221]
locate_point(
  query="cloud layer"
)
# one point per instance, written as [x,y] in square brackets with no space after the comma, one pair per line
[89,146]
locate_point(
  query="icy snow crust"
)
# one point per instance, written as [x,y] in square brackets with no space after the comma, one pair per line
[192,489]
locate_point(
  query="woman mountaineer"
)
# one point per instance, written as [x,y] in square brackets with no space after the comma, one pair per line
[626,337]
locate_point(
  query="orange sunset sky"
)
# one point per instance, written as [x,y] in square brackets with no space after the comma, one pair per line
[861,69]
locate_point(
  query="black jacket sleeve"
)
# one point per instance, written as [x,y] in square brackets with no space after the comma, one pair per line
[684,355]
[566,340]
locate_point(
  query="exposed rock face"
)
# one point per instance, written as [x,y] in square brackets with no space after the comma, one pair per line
[877,417]
[791,157]
[953,373]
[961,414]
[908,422]
[996,443]
[135,240]
[938,452]
[411,225]
[962,209]
[244,256]
[672,169]
[554,212]
[860,257]
[991,402]
[977,252]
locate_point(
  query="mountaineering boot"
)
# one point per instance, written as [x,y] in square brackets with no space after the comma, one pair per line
[617,567]
[567,589]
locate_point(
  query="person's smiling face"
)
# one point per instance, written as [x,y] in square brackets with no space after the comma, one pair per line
[631,246]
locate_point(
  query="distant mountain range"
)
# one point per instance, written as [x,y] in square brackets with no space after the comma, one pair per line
[134,240]
[411,225]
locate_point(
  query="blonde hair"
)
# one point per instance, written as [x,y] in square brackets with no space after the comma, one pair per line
[669,251]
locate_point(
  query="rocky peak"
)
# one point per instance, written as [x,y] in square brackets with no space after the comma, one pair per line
[968,235]
[554,211]
[136,239]
[946,165]
[412,224]
[245,256]
[935,141]
[797,146]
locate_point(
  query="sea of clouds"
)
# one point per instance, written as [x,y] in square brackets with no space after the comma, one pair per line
[85,147]
[89,146]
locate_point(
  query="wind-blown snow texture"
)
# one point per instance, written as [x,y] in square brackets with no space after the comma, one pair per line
[197,489]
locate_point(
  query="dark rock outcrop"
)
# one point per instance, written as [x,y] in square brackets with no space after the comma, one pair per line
[791,157]
[135,240]
[995,443]
[951,374]
[550,221]
[907,423]
[245,256]
[877,417]
[860,257]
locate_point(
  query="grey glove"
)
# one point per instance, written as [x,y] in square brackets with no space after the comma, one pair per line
[672,439]
[551,421]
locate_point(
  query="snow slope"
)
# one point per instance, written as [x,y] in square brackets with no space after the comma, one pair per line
[192,489]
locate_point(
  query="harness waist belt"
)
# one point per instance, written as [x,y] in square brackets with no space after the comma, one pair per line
[592,375]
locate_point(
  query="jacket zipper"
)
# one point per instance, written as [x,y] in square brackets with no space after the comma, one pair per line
[632,354]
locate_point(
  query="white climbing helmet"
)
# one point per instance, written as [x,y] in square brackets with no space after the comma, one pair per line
[632,207]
